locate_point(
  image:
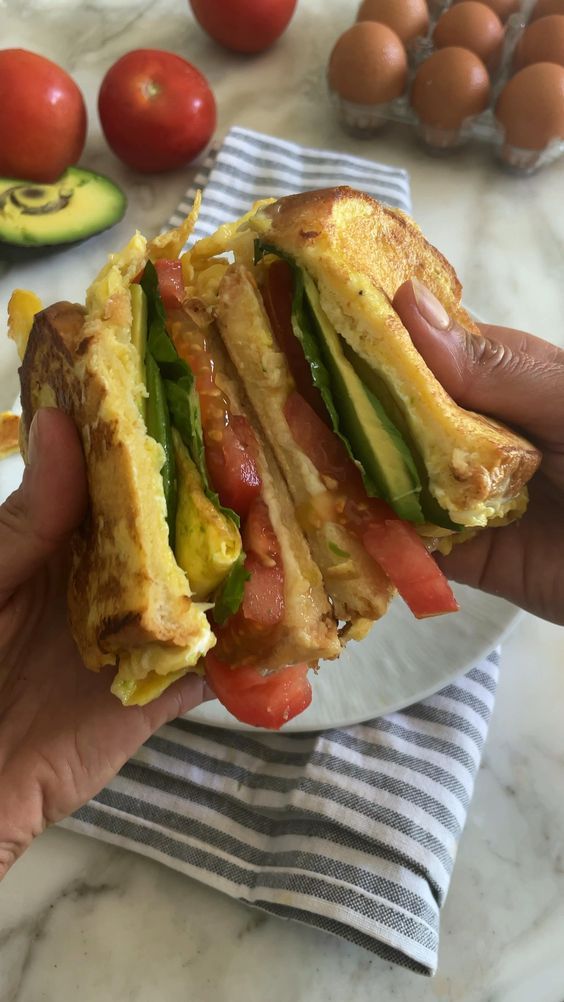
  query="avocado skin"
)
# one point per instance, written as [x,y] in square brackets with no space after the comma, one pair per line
[78,206]
[18,253]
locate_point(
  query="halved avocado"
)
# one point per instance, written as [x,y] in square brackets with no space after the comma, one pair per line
[50,216]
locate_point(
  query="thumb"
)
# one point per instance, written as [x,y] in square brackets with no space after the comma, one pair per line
[48,505]
[505,373]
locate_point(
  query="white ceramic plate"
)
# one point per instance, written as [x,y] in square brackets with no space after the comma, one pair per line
[401,661]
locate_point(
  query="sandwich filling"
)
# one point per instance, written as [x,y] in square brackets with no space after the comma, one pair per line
[373,487]
[219,524]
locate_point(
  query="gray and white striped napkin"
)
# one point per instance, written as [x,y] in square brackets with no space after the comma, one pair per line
[354,830]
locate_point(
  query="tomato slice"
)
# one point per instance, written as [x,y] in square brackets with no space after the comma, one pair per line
[171,283]
[320,443]
[229,441]
[232,468]
[398,549]
[260,700]
[277,296]
[392,543]
[251,632]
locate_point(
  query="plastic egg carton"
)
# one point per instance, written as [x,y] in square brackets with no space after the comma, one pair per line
[365,121]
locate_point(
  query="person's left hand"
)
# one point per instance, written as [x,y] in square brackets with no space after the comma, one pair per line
[63,735]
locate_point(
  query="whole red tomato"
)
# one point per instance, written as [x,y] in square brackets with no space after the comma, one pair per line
[244,25]
[156,109]
[42,117]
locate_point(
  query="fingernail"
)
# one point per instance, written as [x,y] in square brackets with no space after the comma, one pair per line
[33,440]
[429,307]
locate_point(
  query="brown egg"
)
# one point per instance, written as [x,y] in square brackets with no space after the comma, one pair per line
[543,8]
[530,107]
[451,85]
[408,18]
[541,42]
[473,26]
[503,8]
[368,64]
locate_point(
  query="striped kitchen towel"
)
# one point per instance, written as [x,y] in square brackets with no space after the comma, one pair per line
[353,831]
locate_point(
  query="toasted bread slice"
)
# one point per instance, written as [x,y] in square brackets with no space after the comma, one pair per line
[357,586]
[359,252]
[126,590]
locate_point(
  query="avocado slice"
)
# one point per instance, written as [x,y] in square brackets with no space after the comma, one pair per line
[139,338]
[376,442]
[432,510]
[48,216]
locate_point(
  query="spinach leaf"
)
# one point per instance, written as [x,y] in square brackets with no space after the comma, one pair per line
[304,327]
[184,408]
[232,590]
[180,385]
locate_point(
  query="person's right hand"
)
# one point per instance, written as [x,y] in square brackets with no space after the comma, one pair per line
[518,379]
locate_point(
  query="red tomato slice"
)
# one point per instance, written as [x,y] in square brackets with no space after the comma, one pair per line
[171,283]
[400,552]
[259,536]
[229,441]
[320,443]
[232,469]
[251,632]
[263,601]
[260,700]
[277,295]
[392,543]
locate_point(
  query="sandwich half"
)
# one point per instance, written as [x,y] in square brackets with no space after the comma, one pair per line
[191,540]
[381,463]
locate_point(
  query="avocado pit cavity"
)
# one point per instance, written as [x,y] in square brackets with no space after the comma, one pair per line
[36,200]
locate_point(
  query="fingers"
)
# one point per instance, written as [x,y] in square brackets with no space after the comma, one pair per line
[505,373]
[185,695]
[48,505]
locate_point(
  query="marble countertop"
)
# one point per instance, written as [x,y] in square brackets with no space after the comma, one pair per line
[83,920]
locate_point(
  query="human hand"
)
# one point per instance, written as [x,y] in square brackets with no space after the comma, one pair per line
[517,379]
[63,735]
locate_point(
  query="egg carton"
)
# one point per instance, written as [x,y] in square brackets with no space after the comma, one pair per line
[364,121]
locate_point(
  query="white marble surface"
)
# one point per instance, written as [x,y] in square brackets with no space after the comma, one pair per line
[83,920]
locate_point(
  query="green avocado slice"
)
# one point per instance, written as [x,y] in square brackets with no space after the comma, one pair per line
[73,208]
[375,441]
[432,510]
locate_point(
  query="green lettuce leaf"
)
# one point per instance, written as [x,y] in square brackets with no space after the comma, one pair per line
[232,590]
[184,407]
[303,326]
[179,384]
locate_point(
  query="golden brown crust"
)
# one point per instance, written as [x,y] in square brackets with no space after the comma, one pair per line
[125,588]
[359,252]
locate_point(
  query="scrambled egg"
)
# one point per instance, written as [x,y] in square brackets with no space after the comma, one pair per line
[208,543]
